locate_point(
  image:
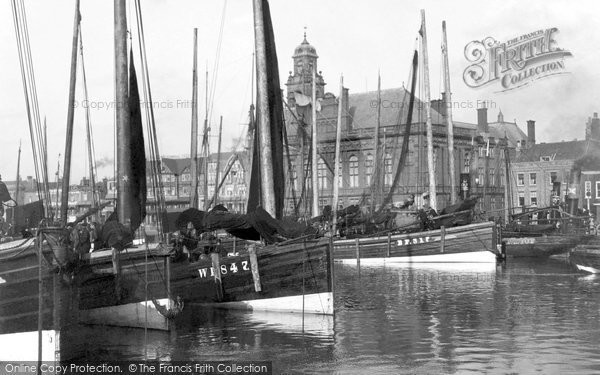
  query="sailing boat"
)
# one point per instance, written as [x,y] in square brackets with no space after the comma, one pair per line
[38,313]
[293,271]
[470,242]
[543,231]
[290,276]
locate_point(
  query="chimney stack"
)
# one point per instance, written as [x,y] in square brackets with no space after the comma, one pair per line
[530,132]
[592,128]
[482,120]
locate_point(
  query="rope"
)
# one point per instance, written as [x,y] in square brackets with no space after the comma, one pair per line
[167,313]
[156,178]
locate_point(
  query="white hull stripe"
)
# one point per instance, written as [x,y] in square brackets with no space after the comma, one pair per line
[469,257]
[129,315]
[23,346]
[317,303]
[587,269]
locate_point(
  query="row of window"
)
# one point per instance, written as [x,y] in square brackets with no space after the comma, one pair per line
[533,201]
[353,172]
[480,180]
[533,178]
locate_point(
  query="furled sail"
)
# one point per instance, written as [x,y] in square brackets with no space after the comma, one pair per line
[137,186]
[275,104]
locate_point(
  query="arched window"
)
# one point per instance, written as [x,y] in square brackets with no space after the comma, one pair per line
[322,173]
[369,168]
[353,164]
[387,162]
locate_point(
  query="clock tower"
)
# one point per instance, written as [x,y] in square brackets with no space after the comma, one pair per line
[300,79]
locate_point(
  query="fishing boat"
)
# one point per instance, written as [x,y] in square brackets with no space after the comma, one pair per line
[557,234]
[145,287]
[545,231]
[38,297]
[423,236]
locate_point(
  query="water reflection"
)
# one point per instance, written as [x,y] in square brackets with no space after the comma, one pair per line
[523,316]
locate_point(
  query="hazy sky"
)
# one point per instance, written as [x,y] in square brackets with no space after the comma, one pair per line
[355,38]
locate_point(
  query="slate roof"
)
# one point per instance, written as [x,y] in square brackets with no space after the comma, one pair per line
[570,150]
[178,166]
[394,103]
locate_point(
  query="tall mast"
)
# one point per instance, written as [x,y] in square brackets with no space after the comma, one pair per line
[264,121]
[45,173]
[205,147]
[450,125]
[64,206]
[315,165]
[216,195]
[430,165]
[194,140]
[14,218]
[507,195]
[336,167]
[122,113]
[375,184]
[88,127]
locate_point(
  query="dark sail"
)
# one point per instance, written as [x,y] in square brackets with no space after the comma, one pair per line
[276,116]
[406,137]
[4,194]
[137,183]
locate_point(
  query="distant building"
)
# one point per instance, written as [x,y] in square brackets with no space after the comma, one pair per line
[479,156]
[541,171]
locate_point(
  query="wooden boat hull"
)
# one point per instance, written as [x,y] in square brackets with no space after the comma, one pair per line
[19,302]
[586,257]
[518,245]
[293,277]
[473,243]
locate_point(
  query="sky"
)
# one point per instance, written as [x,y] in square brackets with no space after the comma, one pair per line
[355,38]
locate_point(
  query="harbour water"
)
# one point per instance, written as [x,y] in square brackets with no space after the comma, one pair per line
[524,316]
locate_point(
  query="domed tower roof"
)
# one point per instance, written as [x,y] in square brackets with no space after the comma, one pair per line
[305,49]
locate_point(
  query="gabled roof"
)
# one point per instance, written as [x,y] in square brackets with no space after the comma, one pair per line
[179,166]
[176,166]
[510,129]
[571,150]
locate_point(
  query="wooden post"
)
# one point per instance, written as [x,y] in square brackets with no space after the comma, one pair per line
[315,164]
[336,166]
[168,277]
[443,238]
[357,245]
[450,125]
[330,257]
[389,244]
[254,267]
[64,208]
[430,165]
[116,261]
[264,120]
[194,136]
[40,244]
[216,264]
